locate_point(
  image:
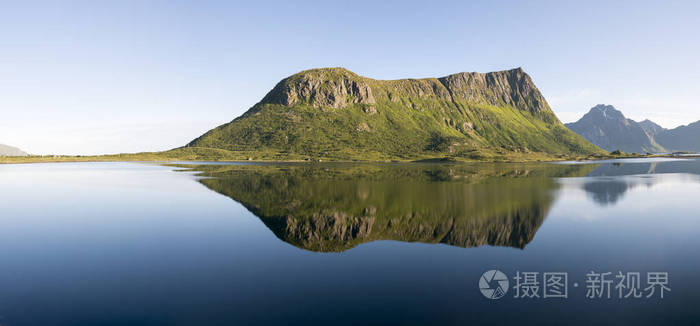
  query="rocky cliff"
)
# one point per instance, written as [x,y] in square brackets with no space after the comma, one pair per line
[339,88]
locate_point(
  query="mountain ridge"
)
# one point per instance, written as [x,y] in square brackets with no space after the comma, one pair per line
[334,113]
[651,127]
[306,86]
[609,129]
[682,138]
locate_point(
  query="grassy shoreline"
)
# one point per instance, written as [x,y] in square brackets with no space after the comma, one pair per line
[219,155]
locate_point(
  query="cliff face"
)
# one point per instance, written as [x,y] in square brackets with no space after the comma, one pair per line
[503,88]
[332,87]
[338,88]
[336,114]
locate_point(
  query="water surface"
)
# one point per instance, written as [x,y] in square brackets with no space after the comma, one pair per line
[281,244]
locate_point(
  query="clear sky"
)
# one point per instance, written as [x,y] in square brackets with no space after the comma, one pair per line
[93,77]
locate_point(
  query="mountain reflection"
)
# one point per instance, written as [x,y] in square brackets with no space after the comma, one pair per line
[608,182]
[335,207]
[607,192]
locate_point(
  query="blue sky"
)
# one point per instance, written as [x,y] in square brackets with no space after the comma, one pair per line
[92,77]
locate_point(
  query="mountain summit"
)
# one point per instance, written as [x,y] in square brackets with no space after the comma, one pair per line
[651,127]
[609,129]
[337,114]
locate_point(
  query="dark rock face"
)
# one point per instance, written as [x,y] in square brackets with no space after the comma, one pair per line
[329,87]
[683,138]
[608,128]
[512,87]
[338,88]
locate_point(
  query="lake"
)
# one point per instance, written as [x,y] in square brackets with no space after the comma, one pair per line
[350,244]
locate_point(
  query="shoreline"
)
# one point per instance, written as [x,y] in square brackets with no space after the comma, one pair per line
[162,157]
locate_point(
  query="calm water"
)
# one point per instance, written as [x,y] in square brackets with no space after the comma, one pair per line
[145,244]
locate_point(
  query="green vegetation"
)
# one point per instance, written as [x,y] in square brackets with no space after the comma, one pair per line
[336,206]
[333,114]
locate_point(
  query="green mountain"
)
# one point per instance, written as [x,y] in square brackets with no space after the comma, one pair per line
[608,128]
[11,151]
[332,113]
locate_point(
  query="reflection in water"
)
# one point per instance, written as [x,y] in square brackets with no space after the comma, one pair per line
[608,182]
[335,207]
[607,191]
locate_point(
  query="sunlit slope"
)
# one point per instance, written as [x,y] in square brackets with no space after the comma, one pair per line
[333,113]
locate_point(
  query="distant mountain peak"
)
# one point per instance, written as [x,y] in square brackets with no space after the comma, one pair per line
[606,111]
[11,151]
[651,127]
[609,129]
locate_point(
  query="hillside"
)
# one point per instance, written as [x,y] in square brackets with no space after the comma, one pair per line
[683,138]
[609,129]
[11,151]
[332,113]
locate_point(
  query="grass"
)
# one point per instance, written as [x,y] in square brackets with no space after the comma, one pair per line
[222,155]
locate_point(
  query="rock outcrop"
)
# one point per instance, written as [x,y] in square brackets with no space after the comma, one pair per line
[339,88]
[335,88]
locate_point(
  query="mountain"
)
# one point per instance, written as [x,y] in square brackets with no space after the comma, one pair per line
[11,151]
[608,128]
[651,128]
[334,113]
[683,138]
